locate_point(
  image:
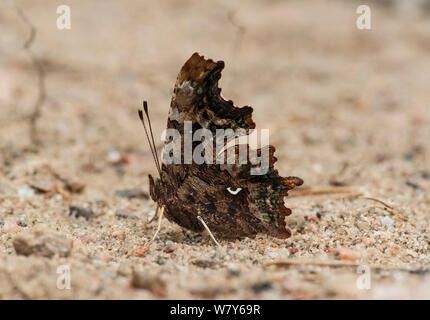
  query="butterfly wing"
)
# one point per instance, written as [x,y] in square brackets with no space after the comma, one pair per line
[212,190]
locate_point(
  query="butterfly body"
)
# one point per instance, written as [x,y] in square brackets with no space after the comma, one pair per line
[232,201]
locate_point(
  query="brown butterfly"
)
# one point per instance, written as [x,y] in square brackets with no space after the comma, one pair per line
[225,198]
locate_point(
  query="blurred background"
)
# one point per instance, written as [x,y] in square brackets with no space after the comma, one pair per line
[328,91]
[345,107]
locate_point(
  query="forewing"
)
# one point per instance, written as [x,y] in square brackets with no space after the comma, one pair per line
[211,190]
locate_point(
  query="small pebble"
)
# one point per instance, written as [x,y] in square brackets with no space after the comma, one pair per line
[122,213]
[204,263]
[273,255]
[348,254]
[233,270]
[75,186]
[81,212]
[261,286]
[22,221]
[387,221]
[293,250]
[11,227]
[113,156]
[25,192]
[104,256]
[124,269]
[141,251]
[169,248]
[42,242]
[132,193]
[149,281]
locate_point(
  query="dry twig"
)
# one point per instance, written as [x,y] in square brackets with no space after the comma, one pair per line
[237,42]
[345,192]
[37,64]
[342,264]
[324,191]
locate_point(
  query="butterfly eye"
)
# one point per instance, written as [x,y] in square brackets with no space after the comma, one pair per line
[234,192]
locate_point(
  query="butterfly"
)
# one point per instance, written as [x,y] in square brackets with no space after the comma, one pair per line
[226,199]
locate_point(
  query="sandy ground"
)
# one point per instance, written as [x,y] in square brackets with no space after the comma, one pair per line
[346,108]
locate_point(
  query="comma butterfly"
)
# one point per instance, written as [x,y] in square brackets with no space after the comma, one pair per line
[231,201]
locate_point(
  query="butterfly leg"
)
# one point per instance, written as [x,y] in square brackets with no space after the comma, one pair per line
[158,228]
[155,214]
[208,230]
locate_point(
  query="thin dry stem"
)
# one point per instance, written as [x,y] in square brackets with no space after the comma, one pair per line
[35,114]
[377,200]
[209,231]
[348,192]
[237,42]
[323,191]
[339,264]
[388,208]
[158,227]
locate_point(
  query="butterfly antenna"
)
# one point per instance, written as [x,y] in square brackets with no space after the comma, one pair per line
[145,107]
[153,150]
